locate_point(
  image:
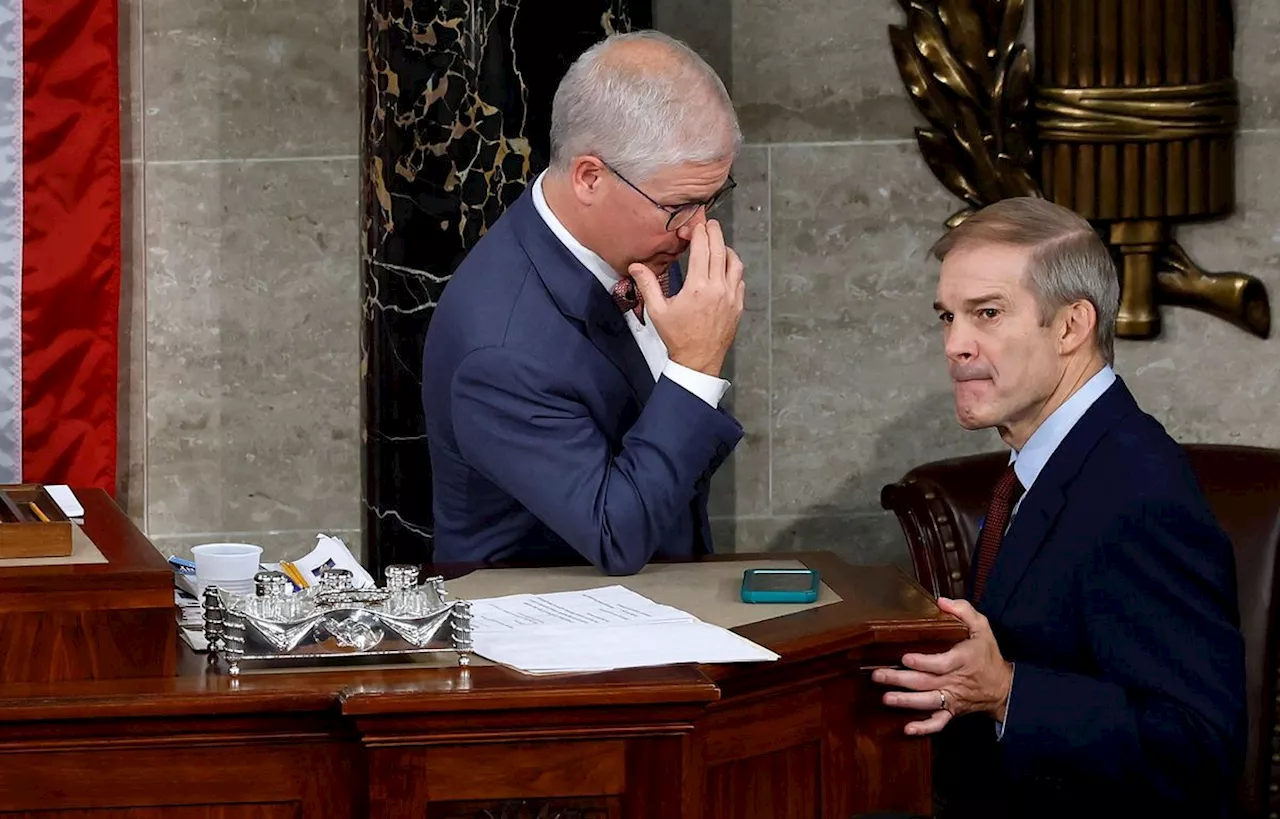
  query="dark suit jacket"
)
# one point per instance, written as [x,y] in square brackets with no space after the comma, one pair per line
[1114,594]
[550,441]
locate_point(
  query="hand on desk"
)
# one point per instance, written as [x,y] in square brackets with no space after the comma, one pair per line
[972,677]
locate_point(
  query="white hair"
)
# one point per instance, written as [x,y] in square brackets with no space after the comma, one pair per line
[641,115]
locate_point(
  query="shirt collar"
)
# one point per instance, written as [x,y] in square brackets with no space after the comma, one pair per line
[599,268]
[1030,461]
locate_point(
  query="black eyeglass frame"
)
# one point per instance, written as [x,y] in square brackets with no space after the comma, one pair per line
[673,211]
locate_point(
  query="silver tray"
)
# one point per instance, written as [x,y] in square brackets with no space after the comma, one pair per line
[333,621]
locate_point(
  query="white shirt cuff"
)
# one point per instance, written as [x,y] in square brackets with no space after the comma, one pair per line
[707,387]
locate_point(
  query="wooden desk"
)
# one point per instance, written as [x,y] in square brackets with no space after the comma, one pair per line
[803,737]
[90,621]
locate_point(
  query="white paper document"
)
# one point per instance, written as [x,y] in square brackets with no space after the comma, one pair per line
[194,638]
[66,500]
[612,605]
[330,551]
[599,630]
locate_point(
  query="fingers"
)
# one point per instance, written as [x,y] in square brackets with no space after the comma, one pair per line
[699,254]
[935,664]
[932,725]
[733,269]
[899,678]
[917,700]
[715,263]
[965,612]
[647,284]
[718,254]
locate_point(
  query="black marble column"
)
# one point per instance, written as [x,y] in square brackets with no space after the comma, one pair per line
[456,106]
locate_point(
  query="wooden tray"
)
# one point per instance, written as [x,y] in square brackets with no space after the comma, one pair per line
[31,524]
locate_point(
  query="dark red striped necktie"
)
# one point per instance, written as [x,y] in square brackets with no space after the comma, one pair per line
[1007,492]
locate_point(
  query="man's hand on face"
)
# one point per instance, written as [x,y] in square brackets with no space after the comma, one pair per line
[699,323]
[972,677]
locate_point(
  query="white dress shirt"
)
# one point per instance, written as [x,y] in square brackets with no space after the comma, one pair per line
[1030,461]
[707,387]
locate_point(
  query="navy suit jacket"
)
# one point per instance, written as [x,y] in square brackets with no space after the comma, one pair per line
[1114,594]
[550,440]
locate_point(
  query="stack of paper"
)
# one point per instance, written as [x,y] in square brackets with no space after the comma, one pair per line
[599,630]
[190,620]
[190,612]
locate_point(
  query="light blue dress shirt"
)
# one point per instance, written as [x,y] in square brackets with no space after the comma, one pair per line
[1030,461]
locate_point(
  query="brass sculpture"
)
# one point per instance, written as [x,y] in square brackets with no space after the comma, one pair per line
[1130,122]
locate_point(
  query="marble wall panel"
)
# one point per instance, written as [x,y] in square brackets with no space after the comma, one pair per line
[235,79]
[741,487]
[252,401]
[860,393]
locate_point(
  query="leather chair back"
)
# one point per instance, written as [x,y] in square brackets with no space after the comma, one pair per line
[939,505]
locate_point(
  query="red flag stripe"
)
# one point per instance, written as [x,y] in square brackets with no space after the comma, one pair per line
[71,241]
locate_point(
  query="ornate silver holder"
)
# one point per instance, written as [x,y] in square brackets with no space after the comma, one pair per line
[333,621]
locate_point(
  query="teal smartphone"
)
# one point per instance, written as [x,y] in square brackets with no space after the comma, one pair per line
[780,586]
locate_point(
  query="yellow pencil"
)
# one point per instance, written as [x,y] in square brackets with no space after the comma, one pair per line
[294,575]
[36,510]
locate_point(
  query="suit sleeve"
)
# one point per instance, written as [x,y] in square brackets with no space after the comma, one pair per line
[1166,706]
[522,426]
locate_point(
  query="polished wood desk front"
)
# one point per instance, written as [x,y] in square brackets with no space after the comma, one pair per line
[803,737]
[90,621]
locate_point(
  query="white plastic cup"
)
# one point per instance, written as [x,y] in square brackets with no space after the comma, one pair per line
[229,566]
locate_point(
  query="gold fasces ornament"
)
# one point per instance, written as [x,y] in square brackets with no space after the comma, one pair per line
[1129,120]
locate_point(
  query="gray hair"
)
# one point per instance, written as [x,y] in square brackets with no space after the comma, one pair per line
[642,115]
[1069,261]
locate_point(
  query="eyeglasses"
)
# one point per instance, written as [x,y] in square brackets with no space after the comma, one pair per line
[680,215]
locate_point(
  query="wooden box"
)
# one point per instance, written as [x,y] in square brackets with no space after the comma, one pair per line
[90,620]
[32,524]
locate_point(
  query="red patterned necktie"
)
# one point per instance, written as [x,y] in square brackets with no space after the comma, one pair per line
[628,297]
[1007,492]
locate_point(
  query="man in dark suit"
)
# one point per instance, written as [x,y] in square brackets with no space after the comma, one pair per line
[1104,672]
[571,376]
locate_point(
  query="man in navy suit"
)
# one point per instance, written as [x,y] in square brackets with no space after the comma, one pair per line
[571,375]
[1104,672]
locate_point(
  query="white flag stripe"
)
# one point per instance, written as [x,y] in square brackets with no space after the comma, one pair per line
[10,241]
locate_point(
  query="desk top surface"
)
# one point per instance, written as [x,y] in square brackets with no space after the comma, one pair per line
[880,611]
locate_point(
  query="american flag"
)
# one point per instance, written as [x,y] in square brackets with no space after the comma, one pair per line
[59,241]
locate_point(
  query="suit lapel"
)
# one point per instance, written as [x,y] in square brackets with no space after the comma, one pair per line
[580,296]
[1045,499]
[608,330]
[1036,516]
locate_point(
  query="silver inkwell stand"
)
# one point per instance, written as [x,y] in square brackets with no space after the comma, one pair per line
[334,623]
